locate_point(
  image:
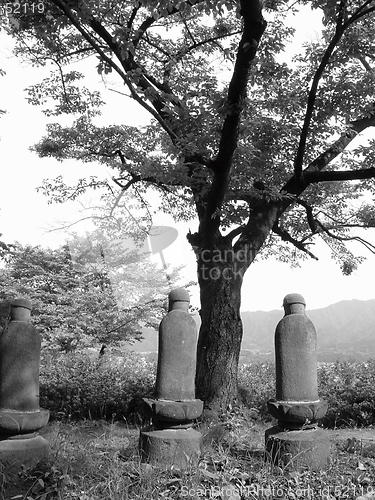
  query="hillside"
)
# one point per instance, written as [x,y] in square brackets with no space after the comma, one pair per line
[345,330]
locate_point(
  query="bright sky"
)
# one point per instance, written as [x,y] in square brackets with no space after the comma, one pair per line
[25,215]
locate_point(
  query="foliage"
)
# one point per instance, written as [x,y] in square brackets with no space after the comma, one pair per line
[347,386]
[256,386]
[349,389]
[165,72]
[78,386]
[92,290]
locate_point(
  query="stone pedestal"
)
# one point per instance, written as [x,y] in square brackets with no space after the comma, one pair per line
[20,415]
[27,450]
[299,448]
[296,441]
[171,440]
[167,447]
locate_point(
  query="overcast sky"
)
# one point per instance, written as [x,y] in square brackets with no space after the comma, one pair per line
[25,215]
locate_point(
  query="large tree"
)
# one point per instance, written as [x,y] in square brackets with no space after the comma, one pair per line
[258,146]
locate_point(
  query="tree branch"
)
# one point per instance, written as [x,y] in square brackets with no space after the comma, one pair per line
[79,51]
[124,188]
[149,21]
[298,161]
[180,55]
[235,232]
[296,186]
[76,23]
[103,33]
[341,26]
[360,13]
[138,178]
[132,16]
[188,31]
[339,175]
[363,242]
[285,236]
[67,100]
[67,226]
[129,64]
[309,214]
[253,28]
[363,61]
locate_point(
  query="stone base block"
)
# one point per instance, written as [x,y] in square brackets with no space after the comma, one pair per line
[23,450]
[177,447]
[299,448]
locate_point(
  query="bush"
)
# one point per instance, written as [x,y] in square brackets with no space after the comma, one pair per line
[256,383]
[349,388]
[77,386]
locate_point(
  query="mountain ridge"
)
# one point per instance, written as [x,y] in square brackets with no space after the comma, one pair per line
[345,329]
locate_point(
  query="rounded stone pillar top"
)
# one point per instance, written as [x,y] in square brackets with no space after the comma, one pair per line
[293,298]
[179,295]
[21,302]
[20,309]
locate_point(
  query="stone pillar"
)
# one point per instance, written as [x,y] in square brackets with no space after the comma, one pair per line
[171,440]
[20,414]
[296,440]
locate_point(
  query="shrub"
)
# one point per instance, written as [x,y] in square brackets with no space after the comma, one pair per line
[257,385]
[349,388]
[78,386]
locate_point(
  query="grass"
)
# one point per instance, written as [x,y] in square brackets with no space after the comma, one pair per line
[94,459]
[98,460]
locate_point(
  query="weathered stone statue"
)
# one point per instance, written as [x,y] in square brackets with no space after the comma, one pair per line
[296,440]
[20,415]
[172,440]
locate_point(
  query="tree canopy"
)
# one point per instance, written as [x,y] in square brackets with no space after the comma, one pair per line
[175,59]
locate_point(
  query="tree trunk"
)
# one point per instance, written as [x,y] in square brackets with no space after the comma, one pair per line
[220,335]
[220,274]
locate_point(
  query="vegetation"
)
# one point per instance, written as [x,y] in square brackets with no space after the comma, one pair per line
[261,151]
[97,460]
[90,292]
[78,386]
[349,389]
[347,386]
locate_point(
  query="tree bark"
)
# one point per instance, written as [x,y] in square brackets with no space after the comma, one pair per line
[221,269]
[220,334]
